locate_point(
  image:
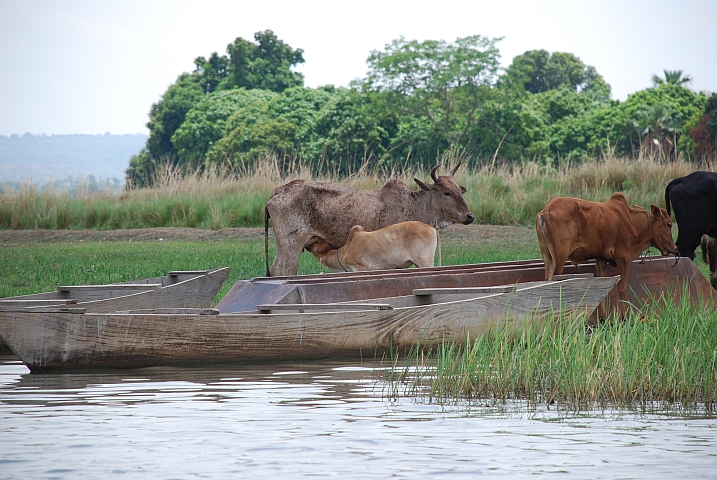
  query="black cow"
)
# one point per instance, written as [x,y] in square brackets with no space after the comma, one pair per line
[709,255]
[694,199]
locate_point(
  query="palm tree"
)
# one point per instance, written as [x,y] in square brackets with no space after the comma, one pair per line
[672,77]
[655,125]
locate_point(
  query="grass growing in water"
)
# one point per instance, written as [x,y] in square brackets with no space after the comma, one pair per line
[664,357]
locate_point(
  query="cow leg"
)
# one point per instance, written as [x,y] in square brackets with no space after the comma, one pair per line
[423,261]
[288,251]
[712,260]
[622,266]
[544,251]
[548,261]
[601,271]
[558,262]
[286,262]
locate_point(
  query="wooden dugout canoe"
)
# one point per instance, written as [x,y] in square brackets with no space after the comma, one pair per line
[179,289]
[54,340]
[647,279]
[182,288]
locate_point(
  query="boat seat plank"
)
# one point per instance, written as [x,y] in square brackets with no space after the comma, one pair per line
[568,276]
[323,306]
[38,302]
[48,309]
[458,290]
[118,286]
[170,311]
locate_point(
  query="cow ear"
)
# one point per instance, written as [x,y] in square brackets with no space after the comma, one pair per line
[463,189]
[655,211]
[422,185]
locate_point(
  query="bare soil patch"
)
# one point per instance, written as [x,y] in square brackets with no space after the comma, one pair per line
[455,234]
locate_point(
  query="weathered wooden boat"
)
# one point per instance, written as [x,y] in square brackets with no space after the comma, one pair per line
[62,339]
[183,289]
[54,341]
[648,279]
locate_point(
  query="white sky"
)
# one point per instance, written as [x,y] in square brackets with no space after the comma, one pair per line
[72,66]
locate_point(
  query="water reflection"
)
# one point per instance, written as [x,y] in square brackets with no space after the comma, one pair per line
[312,419]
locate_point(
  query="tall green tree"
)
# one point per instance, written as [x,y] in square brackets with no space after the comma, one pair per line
[211,72]
[440,86]
[204,124]
[273,124]
[265,64]
[538,71]
[167,115]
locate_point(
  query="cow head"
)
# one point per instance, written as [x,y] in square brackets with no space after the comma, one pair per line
[660,228]
[447,200]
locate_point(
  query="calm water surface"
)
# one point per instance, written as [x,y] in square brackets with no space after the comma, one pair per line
[314,420]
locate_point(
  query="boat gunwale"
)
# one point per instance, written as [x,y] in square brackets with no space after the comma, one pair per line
[529,286]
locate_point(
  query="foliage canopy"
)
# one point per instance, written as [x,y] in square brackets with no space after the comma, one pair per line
[420,100]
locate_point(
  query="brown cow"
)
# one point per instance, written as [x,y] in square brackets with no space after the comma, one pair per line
[609,232]
[396,246]
[306,212]
[709,255]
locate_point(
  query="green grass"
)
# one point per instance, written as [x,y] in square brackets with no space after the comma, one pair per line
[38,267]
[661,358]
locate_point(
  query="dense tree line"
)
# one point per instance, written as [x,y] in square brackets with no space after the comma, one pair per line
[418,101]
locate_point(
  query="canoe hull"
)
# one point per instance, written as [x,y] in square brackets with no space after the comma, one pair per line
[181,291]
[647,279]
[60,340]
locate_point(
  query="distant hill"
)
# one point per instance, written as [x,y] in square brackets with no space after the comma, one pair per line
[43,158]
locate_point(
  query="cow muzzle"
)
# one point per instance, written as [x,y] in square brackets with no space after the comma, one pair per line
[469,219]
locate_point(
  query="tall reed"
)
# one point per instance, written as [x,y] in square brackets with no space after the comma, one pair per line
[216,199]
[663,357]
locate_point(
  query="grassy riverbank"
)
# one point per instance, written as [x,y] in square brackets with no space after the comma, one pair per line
[498,195]
[661,358]
[33,264]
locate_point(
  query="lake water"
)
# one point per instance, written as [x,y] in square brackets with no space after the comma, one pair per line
[315,419]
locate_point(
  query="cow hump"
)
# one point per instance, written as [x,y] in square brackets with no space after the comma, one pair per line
[619,197]
[396,185]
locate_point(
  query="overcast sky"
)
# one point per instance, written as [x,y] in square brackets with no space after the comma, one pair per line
[97,66]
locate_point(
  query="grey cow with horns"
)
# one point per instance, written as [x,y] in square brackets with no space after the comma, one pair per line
[305,212]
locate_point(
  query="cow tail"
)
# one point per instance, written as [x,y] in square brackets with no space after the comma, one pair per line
[704,242]
[266,240]
[669,187]
[546,231]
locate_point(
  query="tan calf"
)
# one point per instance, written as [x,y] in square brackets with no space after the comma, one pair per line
[396,246]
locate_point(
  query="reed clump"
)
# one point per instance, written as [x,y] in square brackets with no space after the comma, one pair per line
[508,194]
[663,357]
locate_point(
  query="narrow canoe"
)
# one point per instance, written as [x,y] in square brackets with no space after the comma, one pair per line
[179,289]
[184,288]
[54,340]
[647,278]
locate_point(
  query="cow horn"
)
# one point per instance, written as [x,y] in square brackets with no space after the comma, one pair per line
[433,172]
[453,170]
